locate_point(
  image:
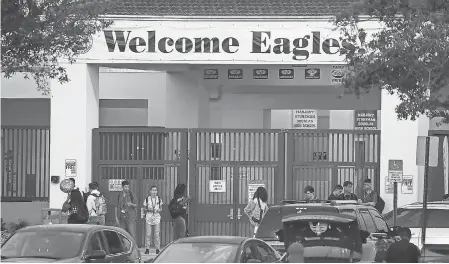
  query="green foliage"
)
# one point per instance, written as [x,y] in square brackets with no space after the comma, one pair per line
[13,227]
[409,56]
[37,34]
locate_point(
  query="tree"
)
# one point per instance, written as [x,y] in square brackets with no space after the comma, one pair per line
[408,56]
[36,34]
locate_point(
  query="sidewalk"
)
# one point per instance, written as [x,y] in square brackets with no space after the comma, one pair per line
[149,256]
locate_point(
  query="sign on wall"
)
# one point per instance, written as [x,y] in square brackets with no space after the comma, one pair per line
[217,186]
[407,184]
[115,185]
[365,120]
[286,74]
[389,186]
[70,168]
[235,74]
[305,119]
[312,73]
[395,170]
[280,42]
[252,187]
[210,74]
[337,74]
[260,74]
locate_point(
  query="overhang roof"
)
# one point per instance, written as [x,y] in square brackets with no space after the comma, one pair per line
[230,8]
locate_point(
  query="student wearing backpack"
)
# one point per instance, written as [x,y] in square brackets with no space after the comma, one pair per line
[152,206]
[76,208]
[371,197]
[96,205]
[178,211]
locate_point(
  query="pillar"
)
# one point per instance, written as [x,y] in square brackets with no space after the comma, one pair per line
[74,113]
[398,142]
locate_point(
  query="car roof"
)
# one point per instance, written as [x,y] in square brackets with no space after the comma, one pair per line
[78,228]
[213,239]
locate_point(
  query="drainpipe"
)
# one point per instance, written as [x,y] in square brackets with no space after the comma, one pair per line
[219,96]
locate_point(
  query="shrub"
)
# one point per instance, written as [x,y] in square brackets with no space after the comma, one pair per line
[13,227]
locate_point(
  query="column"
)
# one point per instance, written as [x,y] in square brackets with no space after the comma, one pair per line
[398,141]
[74,113]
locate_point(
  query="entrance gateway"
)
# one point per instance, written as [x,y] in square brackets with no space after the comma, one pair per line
[244,55]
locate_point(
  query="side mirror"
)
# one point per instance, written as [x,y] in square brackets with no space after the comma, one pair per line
[280,235]
[253,261]
[96,254]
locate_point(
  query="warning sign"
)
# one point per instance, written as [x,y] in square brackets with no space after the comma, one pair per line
[216,186]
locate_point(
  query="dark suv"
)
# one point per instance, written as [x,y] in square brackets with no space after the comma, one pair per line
[368,218]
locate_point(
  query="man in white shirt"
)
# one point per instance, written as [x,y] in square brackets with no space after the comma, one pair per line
[94,218]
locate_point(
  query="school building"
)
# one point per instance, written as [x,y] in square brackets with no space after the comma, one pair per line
[224,96]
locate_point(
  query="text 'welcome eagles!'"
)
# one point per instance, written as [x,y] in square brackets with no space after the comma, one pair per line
[262,43]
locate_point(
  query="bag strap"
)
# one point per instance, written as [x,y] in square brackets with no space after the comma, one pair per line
[261,210]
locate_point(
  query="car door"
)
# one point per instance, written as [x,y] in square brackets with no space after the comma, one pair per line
[268,255]
[95,242]
[382,227]
[250,251]
[115,251]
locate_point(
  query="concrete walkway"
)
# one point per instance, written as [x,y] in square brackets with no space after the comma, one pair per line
[149,256]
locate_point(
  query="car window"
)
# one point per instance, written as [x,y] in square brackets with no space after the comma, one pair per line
[369,222]
[379,221]
[125,243]
[361,222]
[114,242]
[95,242]
[412,218]
[251,251]
[267,254]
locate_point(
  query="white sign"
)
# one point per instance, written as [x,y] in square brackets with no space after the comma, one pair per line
[407,184]
[217,186]
[395,170]
[204,42]
[446,164]
[252,187]
[115,185]
[421,151]
[337,74]
[305,119]
[70,167]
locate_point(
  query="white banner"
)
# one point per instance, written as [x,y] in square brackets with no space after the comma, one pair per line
[204,42]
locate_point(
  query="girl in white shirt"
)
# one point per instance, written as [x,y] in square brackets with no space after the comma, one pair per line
[257,208]
[153,207]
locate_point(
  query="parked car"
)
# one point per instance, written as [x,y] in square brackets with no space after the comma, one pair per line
[218,249]
[70,243]
[437,232]
[326,237]
[368,218]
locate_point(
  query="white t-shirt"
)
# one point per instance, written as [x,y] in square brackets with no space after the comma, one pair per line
[154,203]
[263,205]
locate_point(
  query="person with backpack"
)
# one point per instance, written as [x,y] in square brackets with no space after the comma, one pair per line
[178,211]
[152,207]
[126,210]
[257,208]
[76,208]
[96,205]
[371,197]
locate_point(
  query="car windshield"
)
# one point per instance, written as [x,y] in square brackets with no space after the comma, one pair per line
[43,244]
[412,218]
[272,221]
[348,212]
[198,253]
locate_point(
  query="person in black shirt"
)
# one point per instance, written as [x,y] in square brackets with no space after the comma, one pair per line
[403,251]
[347,194]
[336,194]
[178,211]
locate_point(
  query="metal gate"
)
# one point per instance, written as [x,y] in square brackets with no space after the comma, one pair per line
[236,157]
[145,157]
[437,182]
[325,158]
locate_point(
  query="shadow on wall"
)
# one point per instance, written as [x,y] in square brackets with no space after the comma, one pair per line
[28,211]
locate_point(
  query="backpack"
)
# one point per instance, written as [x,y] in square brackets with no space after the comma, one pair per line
[380,205]
[82,215]
[175,208]
[158,202]
[101,207]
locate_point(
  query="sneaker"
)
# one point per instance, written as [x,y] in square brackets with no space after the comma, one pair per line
[147,251]
[157,251]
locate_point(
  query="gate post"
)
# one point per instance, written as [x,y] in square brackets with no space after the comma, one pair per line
[192,186]
[183,175]
[289,170]
[95,155]
[280,189]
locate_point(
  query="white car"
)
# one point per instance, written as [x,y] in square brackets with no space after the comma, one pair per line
[437,232]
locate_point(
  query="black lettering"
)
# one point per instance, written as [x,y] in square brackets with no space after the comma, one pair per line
[331,43]
[203,45]
[120,40]
[282,46]
[259,38]
[183,45]
[299,50]
[164,43]
[316,42]
[230,45]
[151,41]
[137,42]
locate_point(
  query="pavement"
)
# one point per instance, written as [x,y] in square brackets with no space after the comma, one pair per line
[149,256]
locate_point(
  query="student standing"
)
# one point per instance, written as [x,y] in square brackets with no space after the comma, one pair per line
[76,208]
[310,194]
[152,206]
[126,210]
[178,211]
[257,208]
[96,205]
[336,194]
[347,192]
